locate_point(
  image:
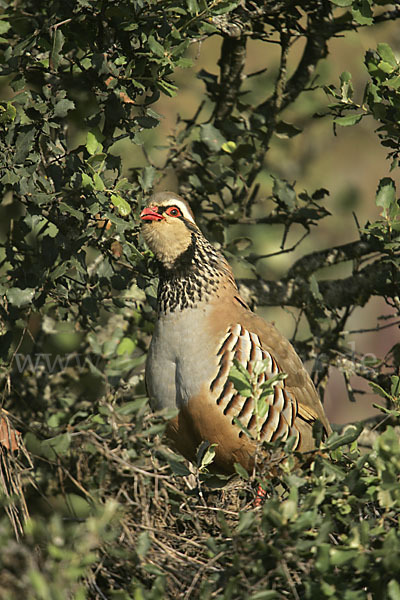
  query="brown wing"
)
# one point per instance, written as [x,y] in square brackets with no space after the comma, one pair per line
[298,382]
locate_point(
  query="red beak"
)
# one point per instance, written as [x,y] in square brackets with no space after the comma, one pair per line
[150,214]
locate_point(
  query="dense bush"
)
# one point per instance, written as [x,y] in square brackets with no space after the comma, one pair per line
[113,512]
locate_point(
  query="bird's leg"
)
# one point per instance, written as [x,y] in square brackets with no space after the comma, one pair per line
[260,496]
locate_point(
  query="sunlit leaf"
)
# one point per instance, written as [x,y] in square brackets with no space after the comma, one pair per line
[20,297]
[123,207]
[348,120]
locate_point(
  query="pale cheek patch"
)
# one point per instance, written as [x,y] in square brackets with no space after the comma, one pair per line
[166,240]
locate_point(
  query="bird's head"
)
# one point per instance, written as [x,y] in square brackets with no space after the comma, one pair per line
[168,226]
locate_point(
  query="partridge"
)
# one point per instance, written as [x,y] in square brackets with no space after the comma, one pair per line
[202,326]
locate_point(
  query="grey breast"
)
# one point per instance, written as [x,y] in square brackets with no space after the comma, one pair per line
[182,356]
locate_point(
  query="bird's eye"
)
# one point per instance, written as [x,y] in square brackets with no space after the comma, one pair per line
[173,211]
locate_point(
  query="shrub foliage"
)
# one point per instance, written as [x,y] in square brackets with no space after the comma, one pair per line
[113,513]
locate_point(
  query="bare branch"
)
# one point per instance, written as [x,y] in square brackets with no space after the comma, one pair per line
[231,63]
[316,49]
[332,256]
[373,280]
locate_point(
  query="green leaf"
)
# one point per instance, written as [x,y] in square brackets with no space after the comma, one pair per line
[362,12]
[62,107]
[286,130]
[193,7]
[87,181]
[60,270]
[8,112]
[18,297]
[386,54]
[153,570]
[98,183]
[130,408]
[170,89]
[229,147]
[260,366]
[348,120]
[387,411]
[184,63]
[180,49]
[393,590]
[240,380]
[212,137]
[243,428]
[395,387]
[290,444]
[97,161]
[385,67]
[58,43]
[93,141]
[242,387]
[146,178]
[126,346]
[242,369]
[379,390]
[342,2]
[386,193]
[123,184]
[155,46]
[23,145]
[265,595]
[341,556]
[147,122]
[350,434]
[393,82]
[178,468]
[223,8]
[123,207]
[77,506]
[346,86]
[262,407]
[285,193]
[143,544]
[39,584]
[4,25]
[64,207]
[268,386]
[241,471]
[56,446]
[205,455]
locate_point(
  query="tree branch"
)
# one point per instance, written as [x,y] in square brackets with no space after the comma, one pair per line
[373,280]
[316,48]
[231,63]
[310,263]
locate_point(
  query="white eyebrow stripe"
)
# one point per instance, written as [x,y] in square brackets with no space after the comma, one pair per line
[183,208]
